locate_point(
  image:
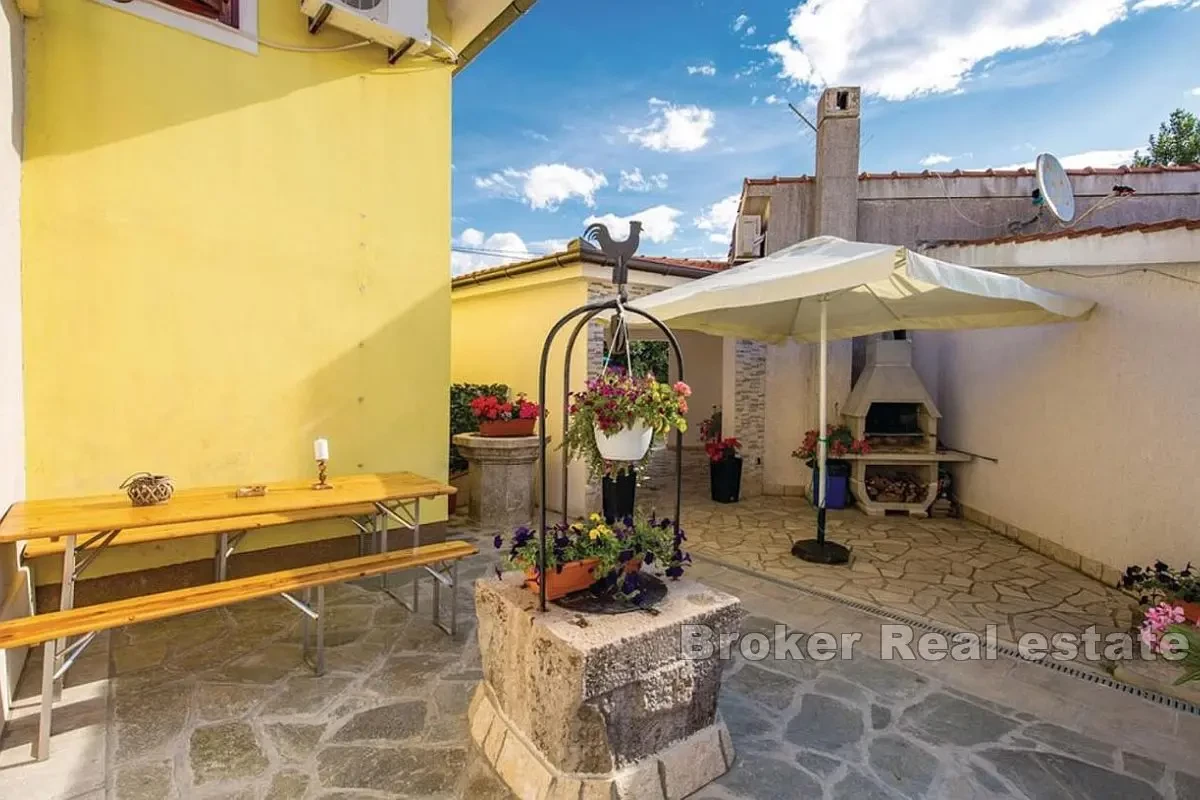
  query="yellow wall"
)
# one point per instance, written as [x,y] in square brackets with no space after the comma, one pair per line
[497,336]
[227,255]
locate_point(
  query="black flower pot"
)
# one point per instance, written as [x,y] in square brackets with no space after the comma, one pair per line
[725,477]
[618,495]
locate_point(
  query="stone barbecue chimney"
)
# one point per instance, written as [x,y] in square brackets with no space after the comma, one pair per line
[835,210]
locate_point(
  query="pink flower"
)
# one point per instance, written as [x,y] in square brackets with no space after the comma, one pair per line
[682,388]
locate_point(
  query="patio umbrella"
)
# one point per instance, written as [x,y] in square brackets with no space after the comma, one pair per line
[829,288]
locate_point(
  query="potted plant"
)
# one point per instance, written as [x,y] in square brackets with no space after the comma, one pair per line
[724,463]
[614,420]
[839,442]
[1168,618]
[499,416]
[594,554]
[1158,583]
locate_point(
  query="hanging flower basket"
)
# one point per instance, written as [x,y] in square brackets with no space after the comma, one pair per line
[629,444]
[507,427]
[617,417]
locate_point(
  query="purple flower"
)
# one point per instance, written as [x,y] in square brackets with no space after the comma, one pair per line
[630,584]
[674,571]
[624,556]
[498,542]
[649,558]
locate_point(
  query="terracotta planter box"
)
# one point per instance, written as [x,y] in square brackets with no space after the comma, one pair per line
[575,577]
[1190,610]
[507,427]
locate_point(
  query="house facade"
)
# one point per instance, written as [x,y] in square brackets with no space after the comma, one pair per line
[501,317]
[229,236]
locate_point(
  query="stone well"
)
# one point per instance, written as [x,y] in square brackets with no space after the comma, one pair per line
[592,706]
[500,483]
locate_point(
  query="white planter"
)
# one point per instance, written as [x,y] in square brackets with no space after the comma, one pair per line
[629,444]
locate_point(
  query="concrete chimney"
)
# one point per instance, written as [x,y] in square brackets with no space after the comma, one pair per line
[835,210]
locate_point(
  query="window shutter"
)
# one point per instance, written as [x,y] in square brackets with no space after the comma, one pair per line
[224,11]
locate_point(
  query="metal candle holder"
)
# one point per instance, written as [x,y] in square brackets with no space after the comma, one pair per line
[321,483]
[620,253]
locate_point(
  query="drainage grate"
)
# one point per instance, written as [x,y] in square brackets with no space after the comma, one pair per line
[1088,675]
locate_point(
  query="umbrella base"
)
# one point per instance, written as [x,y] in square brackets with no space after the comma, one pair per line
[821,552]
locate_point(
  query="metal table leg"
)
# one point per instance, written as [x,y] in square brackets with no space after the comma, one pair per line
[66,601]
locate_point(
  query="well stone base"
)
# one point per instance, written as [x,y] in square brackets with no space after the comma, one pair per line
[500,482]
[581,706]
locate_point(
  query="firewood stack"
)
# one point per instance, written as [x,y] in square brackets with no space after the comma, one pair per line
[898,488]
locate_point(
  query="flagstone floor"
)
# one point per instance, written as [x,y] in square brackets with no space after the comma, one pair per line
[217,705]
[948,571]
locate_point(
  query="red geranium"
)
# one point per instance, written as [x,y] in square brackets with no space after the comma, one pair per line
[721,449]
[492,408]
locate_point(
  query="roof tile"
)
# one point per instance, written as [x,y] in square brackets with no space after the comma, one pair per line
[1071,233]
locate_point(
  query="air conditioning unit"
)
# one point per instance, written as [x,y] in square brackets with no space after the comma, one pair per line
[748,237]
[401,25]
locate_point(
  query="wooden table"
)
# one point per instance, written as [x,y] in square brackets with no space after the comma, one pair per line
[396,496]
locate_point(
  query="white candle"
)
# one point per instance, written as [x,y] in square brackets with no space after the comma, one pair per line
[321,449]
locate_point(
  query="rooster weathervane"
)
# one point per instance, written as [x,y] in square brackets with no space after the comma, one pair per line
[597,237]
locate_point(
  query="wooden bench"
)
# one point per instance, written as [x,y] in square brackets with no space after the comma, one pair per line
[226,532]
[88,621]
[54,525]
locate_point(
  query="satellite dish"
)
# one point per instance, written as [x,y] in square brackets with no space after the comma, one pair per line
[1055,186]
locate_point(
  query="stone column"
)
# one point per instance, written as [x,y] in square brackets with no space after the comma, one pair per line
[500,479]
[614,709]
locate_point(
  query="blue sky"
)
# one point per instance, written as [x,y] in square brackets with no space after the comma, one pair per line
[659,109]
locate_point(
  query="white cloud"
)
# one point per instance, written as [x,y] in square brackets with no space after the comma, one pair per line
[702,69]
[740,22]
[1195,92]
[635,181]
[774,100]
[718,219]
[545,186]
[549,245]
[751,30]
[502,248]
[659,223]
[495,250]
[933,159]
[932,46]
[1146,5]
[682,128]
[1092,158]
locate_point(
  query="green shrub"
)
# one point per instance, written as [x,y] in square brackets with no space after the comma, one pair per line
[461,418]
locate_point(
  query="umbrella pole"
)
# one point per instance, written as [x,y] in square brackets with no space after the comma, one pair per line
[822,437]
[818,550]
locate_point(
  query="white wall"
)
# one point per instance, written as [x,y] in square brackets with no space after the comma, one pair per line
[702,369]
[13,596]
[793,407]
[1095,424]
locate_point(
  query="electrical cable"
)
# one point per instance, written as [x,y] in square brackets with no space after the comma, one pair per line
[1020,272]
[297,49]
[955,208]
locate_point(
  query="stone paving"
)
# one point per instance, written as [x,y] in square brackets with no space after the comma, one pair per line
[949,571]
[216,705]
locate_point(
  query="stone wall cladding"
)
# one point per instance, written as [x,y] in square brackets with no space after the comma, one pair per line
[750,404]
